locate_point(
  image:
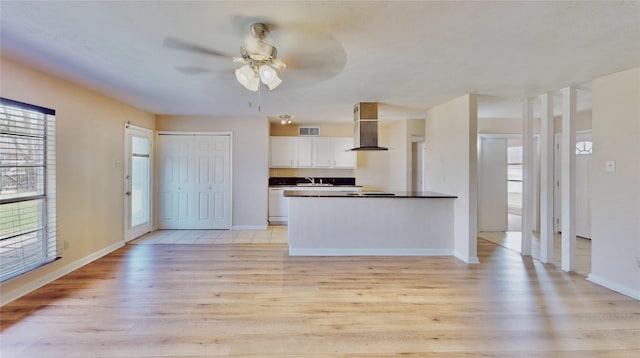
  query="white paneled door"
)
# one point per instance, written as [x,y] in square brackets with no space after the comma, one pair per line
[492,184]
[194,181]
[138,161]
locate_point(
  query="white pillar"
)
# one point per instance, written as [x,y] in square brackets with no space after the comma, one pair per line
[568,154]
[546,178]
[528,201]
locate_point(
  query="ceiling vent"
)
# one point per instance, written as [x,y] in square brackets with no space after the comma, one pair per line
[309,131]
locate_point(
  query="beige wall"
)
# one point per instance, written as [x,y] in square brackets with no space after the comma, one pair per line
[89,142]
[451,165]
[249,159]
[373,167]
[399,156]
[615,198]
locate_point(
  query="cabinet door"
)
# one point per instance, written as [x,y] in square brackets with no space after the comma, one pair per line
[322,157]
[282,152]
[303,152]
[342,158]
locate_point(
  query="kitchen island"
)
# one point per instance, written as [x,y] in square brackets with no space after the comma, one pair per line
[370,223]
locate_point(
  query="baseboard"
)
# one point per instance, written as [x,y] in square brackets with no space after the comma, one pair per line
[625,290]
[54,275]
[249,227]
[467,259]
[369,252]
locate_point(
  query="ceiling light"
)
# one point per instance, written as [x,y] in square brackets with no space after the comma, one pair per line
[248,78]
[285,119]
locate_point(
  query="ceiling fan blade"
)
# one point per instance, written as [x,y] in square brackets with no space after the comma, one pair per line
[192,70]
[174,43]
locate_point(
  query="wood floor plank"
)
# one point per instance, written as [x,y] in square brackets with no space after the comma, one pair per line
[253,300]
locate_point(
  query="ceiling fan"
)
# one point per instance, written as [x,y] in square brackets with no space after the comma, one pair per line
[259,58]
[312,56]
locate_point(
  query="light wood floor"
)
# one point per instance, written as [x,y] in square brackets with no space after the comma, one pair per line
[253,300]
[512,240]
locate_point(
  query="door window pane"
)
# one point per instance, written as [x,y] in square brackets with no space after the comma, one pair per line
[140,178]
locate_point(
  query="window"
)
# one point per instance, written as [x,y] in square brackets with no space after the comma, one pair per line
[27,188]
[584,147]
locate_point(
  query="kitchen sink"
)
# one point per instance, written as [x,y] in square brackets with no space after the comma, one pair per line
[313,184]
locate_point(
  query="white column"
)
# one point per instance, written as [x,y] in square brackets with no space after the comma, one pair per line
[546,178]
[528,201]
[568,154]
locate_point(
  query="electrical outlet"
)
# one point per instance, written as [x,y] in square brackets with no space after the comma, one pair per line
[65,245]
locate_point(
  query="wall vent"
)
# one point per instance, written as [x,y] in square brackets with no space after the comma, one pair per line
[309,131]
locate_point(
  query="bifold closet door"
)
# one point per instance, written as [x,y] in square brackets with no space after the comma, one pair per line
[194,182]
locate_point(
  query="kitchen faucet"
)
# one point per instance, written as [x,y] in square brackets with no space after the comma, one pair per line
[312,180]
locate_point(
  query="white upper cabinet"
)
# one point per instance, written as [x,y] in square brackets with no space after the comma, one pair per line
[322,157]
[282,152]
[304,151]
[342,157]
[291,152]
[312,152]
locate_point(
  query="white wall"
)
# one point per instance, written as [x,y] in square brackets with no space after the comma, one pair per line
[615,216]
[250,160]
[90,190]
[451,134]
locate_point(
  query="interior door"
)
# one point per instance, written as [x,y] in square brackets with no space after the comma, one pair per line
[583,184]
[138,162]
[194,180]
[212,194]
[492,193]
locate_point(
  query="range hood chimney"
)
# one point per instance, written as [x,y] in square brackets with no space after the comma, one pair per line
[365,127]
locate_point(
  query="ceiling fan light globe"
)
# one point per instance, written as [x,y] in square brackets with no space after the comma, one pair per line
[247,77]
[269,76]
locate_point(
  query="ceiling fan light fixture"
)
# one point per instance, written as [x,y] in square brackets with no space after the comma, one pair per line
[269,76]
[247,77]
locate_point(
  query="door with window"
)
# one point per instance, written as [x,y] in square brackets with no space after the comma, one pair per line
[138,162]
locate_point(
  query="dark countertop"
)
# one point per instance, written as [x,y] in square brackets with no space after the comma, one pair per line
[367,194]
[311,186]
[292,181]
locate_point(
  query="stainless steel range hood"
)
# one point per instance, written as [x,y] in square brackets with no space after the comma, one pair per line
[365,127]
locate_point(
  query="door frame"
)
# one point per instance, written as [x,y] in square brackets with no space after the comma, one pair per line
[130,129]
[557,190]
[198,133]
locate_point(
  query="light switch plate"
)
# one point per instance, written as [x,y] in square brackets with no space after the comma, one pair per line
[610,166]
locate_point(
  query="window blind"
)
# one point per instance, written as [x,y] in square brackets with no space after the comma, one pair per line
[28,228]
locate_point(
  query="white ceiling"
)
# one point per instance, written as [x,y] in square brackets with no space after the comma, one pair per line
[409,56]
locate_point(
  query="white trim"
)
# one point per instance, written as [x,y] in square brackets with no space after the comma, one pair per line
[369,252]
[132,126]
[467,259]
[249,227]
[8,297]
[625,290]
